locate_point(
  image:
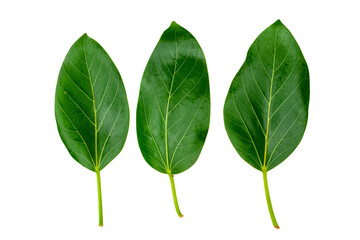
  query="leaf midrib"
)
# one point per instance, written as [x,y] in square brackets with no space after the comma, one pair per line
[269,104]
[167,108]
[95,117]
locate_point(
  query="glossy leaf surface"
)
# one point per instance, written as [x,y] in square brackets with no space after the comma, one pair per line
[173,109]
[91,107]
[266,109]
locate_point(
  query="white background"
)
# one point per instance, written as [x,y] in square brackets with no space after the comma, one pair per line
[45,194]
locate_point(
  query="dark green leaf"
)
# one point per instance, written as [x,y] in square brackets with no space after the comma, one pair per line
[91,107]
[266,109]
[173,110]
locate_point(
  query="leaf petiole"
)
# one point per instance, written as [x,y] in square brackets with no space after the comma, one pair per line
[267,194]
[174,195]
[99,196]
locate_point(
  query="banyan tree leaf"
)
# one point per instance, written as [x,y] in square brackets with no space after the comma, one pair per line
[91,107]
[173,111]
[266,109]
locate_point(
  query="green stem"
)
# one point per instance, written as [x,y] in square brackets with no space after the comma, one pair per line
[99,196]
[174,194]
[271,211]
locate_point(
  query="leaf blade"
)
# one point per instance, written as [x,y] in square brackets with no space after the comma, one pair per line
[83,101]
[271,95]
[173,110]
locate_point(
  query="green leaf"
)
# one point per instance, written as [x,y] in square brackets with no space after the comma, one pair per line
[173,111]
[91,107]
[266,109]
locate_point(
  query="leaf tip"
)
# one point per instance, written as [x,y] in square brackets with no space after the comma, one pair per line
[83,37]
[180,216]
[174,24]
[278,22]
[277,227]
